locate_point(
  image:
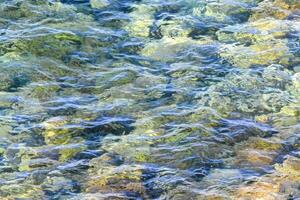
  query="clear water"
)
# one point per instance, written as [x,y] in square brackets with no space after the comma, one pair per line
[149,99]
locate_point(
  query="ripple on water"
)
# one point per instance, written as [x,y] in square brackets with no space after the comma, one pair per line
[115,99]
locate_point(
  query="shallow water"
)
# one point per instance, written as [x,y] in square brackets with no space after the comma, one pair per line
[149,99]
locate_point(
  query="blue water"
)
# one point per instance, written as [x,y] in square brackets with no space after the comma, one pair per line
[115,99]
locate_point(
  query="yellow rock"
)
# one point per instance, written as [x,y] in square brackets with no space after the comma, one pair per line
[288,4]
[278,9]
[263,30]
[53,128]
[259,191]
[117,179]
[290,167]
[255,158]
[66,152]
[277,185]
[263,144]
[141,20]
[292,110]
[263,54]
[267,9]
[262,118]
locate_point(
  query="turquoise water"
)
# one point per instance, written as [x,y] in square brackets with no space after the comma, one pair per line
[149,99]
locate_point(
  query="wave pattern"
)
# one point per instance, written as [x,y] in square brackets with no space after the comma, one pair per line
[149,99]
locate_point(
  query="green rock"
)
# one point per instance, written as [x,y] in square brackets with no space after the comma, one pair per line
[6,82]
[21,191]
[43,91]
[115,78]
[29,164]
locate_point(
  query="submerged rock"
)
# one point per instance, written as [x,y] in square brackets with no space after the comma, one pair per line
[260,190]
[115,78]
[6,82]
[288,4]
[43,91]
[37,10]
[55,44]
[63,130]
[258,54]
[169,49]
[105,99]
[229,11]
[106,175]
[55,186]
[223,176]
[142,17]
[279,9]
[33,158]
[255,32]
[98,4]
[8,101]
[290,167]
[21,191]
[54,128]
[171,28]
[248,92]
[281,184]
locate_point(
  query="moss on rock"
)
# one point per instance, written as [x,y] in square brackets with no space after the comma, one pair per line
[43,91]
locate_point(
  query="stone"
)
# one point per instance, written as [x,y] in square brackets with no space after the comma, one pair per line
[248,92]
[55,132]
[29,164]
[168,49]
[259,190]
[228,11]
[258,54]
[255,31]
[280,184]
[297,68]
[171,28]
[290,167]
[6,82]
[252,158]
[288,4]
[107,177]
[55,185]
[21,191]
[43,91]
[115,78]
[142,17]
[32,158]
[278,9]
[99,4]
[220,176]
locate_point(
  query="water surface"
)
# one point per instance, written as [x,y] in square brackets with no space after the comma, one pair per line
[149,99]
